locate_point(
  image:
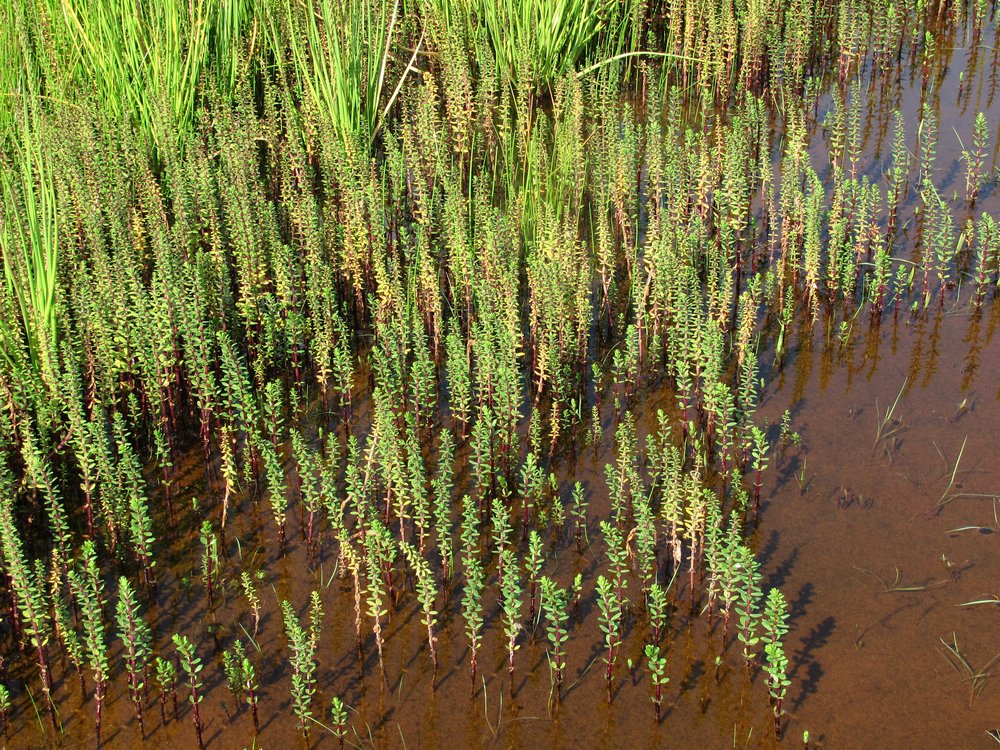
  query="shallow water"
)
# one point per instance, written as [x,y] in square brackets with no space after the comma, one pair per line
[874,572]
[880,529]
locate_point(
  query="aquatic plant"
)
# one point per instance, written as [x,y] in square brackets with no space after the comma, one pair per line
[748,605]
[553,604]
[277,489]
[140,524]
[442,487]
[533,568]
[657,671]
[65,629]
[502,531]
[974,159]
[232,666]
[656,604]
[250,592]
[166,678]
[251,688]
[460,386]
[5,710]
[209,559]
[85,582]
[987,252]
[511,608]
[192,667]
[302,644]
[774,624]
[759,451]
[309,490]
[618,558]
[338,714]
[376,594]
[386,244]
[645,534]
[610,623]
[136,639]
[472,596]
[578,510]
[727,564]
[241,678]
[426,593]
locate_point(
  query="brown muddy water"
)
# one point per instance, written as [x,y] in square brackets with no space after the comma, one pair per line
[881,528]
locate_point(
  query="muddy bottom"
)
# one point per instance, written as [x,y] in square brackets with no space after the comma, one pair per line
[883,531]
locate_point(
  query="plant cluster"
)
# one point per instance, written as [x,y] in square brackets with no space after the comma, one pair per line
[358,253]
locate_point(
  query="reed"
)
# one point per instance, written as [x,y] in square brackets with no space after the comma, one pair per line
[341,54]
[535,43]
[29,243]
[976,678]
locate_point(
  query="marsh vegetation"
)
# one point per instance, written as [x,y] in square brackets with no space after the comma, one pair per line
[387,372]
